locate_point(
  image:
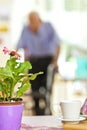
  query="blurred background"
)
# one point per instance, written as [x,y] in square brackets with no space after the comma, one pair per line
[69,18]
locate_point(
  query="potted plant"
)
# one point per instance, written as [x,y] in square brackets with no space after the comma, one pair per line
[14,73]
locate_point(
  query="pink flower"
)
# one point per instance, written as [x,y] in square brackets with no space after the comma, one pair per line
[15,54]
[84,107]
[6,50]
[11,53]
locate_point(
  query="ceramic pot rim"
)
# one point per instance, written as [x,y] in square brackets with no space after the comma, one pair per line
[11,103]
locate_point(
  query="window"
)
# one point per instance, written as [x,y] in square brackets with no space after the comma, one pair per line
[78,5]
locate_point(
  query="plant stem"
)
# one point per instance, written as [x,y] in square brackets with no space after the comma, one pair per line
[11,90]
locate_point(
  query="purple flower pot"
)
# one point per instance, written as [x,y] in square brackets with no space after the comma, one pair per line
[10,116]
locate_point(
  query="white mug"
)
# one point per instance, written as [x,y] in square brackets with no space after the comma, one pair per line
[70,109]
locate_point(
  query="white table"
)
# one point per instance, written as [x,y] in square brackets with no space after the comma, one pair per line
[50,121]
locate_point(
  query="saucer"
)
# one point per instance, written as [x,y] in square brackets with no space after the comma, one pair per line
[84,116]
[72,121]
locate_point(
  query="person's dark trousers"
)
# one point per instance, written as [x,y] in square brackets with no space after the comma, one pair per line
[39,84]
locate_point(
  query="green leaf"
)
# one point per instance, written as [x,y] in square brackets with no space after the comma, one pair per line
[24,80]
[23,67]
[28,77]
[3,88]
[11,63]
[8,82]
[5,72]
[33,76]
[23,89]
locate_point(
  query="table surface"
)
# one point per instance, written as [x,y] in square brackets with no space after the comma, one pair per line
[52,121]
[81,126]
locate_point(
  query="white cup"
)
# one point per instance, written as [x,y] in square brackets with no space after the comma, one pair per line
[70,109]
